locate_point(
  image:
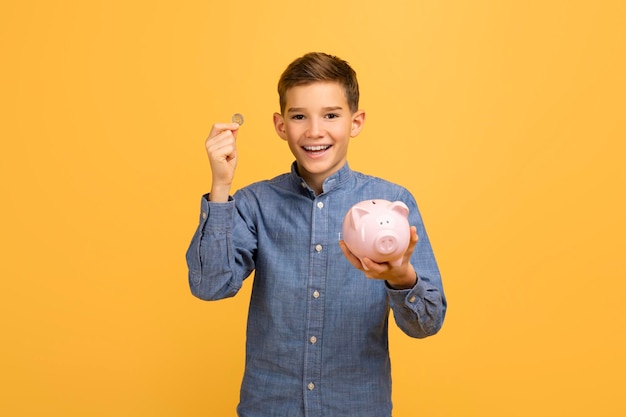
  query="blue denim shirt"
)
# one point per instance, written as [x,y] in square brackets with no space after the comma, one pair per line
[317,327]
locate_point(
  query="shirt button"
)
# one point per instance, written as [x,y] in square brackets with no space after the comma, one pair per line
[204,214]
[313,340]
[318,248]
[316,294]
[412,299]
[311,386]
[320,205]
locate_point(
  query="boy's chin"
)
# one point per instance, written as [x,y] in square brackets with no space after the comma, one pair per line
[318,168]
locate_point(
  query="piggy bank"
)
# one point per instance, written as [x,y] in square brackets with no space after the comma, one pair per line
[378,230]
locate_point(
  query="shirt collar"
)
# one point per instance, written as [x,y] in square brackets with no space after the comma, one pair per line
[333,182]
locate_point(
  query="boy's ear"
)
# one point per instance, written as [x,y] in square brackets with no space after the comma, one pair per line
[358,120]
[279,125]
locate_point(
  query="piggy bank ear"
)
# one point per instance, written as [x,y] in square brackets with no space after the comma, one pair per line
[400,208]
[357,214]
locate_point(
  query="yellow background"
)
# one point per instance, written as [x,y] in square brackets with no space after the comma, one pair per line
[504,118]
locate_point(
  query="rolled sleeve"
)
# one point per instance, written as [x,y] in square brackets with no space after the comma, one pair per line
[210,246]
[418,311]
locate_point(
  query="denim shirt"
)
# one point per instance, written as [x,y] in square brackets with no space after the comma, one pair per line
[317,341]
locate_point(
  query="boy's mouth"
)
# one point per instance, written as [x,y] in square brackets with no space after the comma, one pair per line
[316,149]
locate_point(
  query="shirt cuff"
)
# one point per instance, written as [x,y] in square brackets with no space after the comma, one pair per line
[216,216]
[408,296]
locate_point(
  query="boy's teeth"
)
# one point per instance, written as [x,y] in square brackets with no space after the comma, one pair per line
[316,148]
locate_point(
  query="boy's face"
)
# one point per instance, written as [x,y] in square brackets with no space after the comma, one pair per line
[317,125]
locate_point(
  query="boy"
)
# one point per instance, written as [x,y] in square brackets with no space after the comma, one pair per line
[317,324]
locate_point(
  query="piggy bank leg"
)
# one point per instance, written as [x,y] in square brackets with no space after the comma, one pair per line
[363,265]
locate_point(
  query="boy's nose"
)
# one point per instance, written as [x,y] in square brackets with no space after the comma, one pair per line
[315,129]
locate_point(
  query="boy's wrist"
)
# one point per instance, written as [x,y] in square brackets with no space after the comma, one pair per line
[404,284]
[219,193]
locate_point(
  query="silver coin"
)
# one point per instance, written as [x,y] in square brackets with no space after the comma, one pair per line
[237,118]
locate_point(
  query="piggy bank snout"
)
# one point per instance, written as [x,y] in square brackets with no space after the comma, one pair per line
[386,243]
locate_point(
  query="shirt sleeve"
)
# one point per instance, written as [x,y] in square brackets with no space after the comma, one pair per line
[216,268]
[420,311]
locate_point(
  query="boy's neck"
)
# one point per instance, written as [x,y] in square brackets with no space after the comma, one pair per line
[315,182]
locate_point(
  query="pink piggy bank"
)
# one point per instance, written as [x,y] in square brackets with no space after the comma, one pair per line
[378,230]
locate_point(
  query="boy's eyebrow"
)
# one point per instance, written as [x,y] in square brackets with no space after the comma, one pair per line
[302,109]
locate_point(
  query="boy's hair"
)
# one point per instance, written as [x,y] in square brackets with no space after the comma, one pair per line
[316,67]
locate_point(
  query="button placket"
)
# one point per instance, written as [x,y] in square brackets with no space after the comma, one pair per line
[316,284]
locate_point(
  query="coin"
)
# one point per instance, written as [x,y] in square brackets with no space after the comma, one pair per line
[237,118]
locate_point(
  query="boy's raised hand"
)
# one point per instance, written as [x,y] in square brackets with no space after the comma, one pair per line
[222,151]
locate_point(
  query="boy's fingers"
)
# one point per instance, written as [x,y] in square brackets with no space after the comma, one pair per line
[219,128]
[412,242]
[350,256]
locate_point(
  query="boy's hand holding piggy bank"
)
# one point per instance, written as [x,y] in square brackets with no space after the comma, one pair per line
[378,239]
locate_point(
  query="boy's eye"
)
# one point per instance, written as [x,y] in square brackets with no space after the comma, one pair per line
[332,115]
[297,117]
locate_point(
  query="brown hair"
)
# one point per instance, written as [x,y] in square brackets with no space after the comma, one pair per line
[315,67]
